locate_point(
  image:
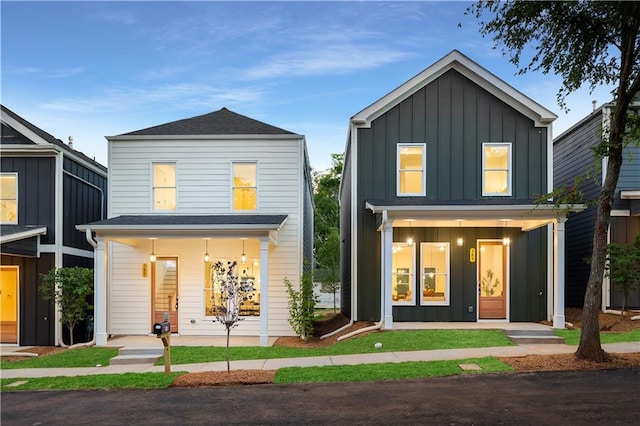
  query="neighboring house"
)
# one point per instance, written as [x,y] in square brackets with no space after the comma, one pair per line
[573,158]
[183,195]
[46,188]
[439,219]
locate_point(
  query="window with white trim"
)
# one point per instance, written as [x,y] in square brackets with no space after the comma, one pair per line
[402,275]
[245,188]
[496,169]
[164,187]
[411,169]
[434,267]
[9,198]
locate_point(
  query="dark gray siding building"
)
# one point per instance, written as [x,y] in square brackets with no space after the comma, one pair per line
[574,163]
[439,212]
[48,188]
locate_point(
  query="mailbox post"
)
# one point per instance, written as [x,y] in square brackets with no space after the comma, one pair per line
[163,331]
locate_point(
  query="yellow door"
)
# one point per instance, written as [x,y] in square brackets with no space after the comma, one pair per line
[9,304]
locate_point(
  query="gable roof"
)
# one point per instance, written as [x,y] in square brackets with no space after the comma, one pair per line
[221,122]
[37,137]
[474,72]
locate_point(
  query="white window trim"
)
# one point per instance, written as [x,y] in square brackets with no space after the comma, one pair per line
[203,303]
[233,186]
[447,293]
[412,276]
[13,222]
[153,194]
[424,170]
[509,170]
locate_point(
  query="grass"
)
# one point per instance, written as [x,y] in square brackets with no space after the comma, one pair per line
[386,371]
[392,341]
[572,337]
[99,381]
[81,357]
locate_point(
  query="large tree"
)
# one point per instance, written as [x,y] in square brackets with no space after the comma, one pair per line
[327,225]
[593,42]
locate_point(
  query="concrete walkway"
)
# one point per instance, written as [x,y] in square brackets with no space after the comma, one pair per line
[274,364]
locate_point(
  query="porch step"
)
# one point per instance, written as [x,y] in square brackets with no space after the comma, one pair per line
[137,355]
[533,336]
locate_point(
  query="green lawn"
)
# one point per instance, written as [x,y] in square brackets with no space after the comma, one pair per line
[392,341]
[99,381]
[81,357]
[572,337]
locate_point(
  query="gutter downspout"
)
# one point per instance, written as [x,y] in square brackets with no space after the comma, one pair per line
[92,342]
[379,325]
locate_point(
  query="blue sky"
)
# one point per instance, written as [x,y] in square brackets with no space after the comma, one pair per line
[92,69]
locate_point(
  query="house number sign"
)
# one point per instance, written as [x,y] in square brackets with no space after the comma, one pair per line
[472,255]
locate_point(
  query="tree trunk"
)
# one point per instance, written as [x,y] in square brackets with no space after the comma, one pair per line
[228,363]
[70,327]
[590,347]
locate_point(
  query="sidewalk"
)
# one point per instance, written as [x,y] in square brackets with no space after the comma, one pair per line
[274,364]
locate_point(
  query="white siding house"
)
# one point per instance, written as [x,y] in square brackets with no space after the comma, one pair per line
[222,185]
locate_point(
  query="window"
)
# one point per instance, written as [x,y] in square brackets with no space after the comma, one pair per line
[249,294]
[435,273]
[402,288]
[164,186]
[9,198]
[496,169]
[245,190]
[411,169]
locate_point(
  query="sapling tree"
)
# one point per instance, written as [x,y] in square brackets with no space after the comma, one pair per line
[227,305]
[623,267]
[302,306]
[69,288]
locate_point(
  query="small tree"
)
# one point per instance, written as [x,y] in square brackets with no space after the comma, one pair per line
[330,267]
[302,306]
[623,267]
[69,288]
[227,305]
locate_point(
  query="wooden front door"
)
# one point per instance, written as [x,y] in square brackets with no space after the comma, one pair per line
[8,304]
[164,284]
[492,280]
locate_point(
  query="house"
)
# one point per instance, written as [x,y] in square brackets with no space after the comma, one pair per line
[573,158]
[439,220]
[46,188]
[183,195]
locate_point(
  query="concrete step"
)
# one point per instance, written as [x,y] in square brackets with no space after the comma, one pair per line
[137,355]
[533,337]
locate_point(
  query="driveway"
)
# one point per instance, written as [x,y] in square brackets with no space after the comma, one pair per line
[569,398]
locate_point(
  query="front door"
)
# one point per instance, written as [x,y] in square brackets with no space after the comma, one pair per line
[492,280]
[164,278]
[9,304]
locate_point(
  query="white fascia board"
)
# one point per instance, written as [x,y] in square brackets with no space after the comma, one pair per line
[22,235]
[630,195]
[478,211]
[131,138]
[470,69]
[29,150]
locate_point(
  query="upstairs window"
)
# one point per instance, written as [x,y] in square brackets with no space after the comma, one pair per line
[496,169]
[245,190]
[411,169]
[9,198]
[164,187]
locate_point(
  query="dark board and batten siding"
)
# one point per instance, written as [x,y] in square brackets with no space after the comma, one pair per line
[345,237]
[36,191]
[83,202]
[572,157]
[453,116]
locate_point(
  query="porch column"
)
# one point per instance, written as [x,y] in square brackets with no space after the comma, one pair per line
[100,294]
[264,291]
[385,279]
[559,259]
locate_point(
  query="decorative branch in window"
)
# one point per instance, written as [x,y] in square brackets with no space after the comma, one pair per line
[489,284]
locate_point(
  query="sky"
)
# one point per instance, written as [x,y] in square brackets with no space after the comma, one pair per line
[95,69]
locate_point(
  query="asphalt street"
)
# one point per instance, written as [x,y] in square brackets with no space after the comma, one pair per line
[567,398]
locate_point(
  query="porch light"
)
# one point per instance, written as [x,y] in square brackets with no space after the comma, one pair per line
[460,241]
[506,240]
[243,256]
[410,239]
[206,250]
[152,256]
